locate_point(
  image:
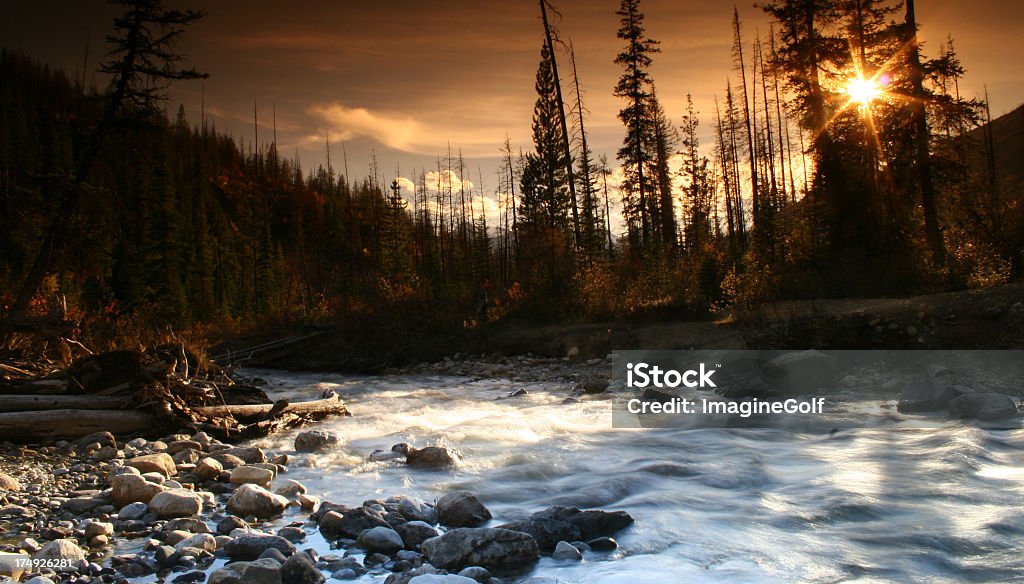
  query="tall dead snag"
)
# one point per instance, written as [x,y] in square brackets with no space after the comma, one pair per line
[751,145]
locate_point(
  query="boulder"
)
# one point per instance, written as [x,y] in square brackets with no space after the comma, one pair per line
[289,488]
[227,461]
[566,551]
[800,372]
[462,509]
[928,395]
[983,406]
[481,575]
[547,532]
[243,475]
[63,555]
[249,546]
[160,462]
[351,523]
[203,541]
[591,523]
[12,565]
[131,488]
[412,509]
[187,456]
[254,500]
[189,524]
[300,569]
[380,539]
[9,483]
[231,523]
[490,548]
[176,503]
[316,441]
[131,511]
[94,528]
[248,454]
[208,468]
[441,579]
[414,533]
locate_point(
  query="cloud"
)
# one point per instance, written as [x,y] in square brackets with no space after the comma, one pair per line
[345,123]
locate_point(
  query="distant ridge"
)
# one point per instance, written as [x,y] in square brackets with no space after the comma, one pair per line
[1008,141]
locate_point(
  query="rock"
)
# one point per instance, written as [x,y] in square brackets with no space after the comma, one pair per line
[929,395]
[189,524]
[208,468]
[176,503]
[800,372]
[383,455]
[254,500]
[243,475]
[273,554]
[300,569]
[487,547]
[132,488]
[248,454]
[250,546]
[94,528]
[594,386]
[231,523]
[63,555]
[165,555]
[39,580]
[592,523]
[102,438]
[316,441]
[481,575]
[983,406]
[441,579]
[82,505]
[12,565]
[292,534]
[547,532]
[429,457]
[9,483]
[289,488]
[262,571]
[462,509]
[203,541]
[380,539]
[177,446]
[131,511]
[412,509]
[308,502]
[414,533]
[187,456]
[603,544]
[227,461]
[566,551]
[334,525]
[160,462]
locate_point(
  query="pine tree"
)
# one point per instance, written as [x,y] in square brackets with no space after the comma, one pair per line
[544,200]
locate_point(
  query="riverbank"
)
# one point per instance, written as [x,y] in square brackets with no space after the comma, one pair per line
[976,319]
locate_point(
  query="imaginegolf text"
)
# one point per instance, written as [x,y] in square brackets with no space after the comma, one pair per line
[743,409]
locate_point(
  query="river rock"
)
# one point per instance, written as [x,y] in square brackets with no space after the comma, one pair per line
[203,541]
[83,505]
[592,523]
[9,483]
[189,524]
[231,523]
[414,533]
[63,555]
[316,441]
[176,503]
[308,502]
[227,461]
[546,531]
[254,500]
[441,579]
[160,462]
[187,456]
[208,468]
[262,571]
[801,372]
[566,551]
[40,580]
[481,575]
[132,511]
[243,475]
[300,569]
[603,544]
[248,454]
[132,488]
[12,565]
[983,406]
[412,509]
[289,488]
[101,438]
[929,395]
[249,546]
[490,548]
[380,539]
[462,509]
[351,523]
[94,528]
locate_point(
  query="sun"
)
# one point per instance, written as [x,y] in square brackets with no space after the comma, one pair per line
[863,91]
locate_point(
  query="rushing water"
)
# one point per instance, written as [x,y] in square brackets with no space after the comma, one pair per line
[939,505]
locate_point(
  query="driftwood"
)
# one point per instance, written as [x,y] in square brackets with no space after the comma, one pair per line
[43,424]
[28,403]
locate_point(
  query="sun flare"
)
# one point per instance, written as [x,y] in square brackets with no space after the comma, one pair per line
[863,91]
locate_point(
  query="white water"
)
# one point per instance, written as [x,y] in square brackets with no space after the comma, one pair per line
[868,505]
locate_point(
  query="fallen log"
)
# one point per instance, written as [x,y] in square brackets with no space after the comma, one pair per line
[37,425]
[28,403]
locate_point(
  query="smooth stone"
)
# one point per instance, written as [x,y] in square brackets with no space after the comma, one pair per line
[462,509]
[316,441]
[380,539]
[249,546]
[161,463]
[566,551]
[131,511]
[63,555]
[243,475]
[300,569]
[254,500]
[176,503]
[486,547]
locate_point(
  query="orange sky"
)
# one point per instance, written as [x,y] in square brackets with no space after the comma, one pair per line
[407,77]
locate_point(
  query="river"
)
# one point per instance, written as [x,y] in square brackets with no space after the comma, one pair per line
[739,505]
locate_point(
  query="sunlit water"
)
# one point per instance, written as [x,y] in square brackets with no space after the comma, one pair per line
[743,505]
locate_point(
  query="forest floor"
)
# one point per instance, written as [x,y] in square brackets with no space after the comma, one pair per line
[992,318]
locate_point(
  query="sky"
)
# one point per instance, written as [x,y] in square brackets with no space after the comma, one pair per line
[407,79]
